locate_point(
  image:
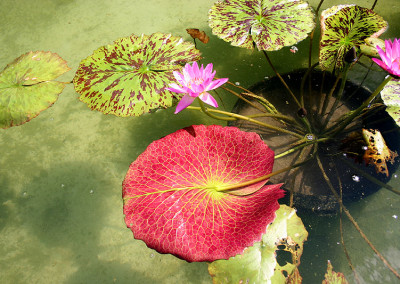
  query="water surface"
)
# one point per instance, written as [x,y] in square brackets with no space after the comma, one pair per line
[61,215]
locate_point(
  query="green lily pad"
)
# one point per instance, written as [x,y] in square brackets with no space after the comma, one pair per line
[27,86]
[369,47]
[267,24]
[128,78]
[344,27]
[258,263]
[391,97]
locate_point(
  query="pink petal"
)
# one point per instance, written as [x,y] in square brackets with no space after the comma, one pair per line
[208,99]
[217,83]
[195,70]
[183,103]
[187,73]
[396,68]
[396,49]
[197,89]
[390,58]
[380,63]
[208,70]
[179,77]
[388,47]
[176,88]
[383,56]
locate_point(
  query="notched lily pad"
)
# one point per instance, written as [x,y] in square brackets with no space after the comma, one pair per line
[174,196]
[344,27]
[27,86]
[267,24]
[128,78]
[258,264]
[391,97]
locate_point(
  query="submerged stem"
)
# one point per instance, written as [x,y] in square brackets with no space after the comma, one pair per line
[301,146]
[234,116]
[303,81]
[241,97]
[354,221]
[343,124]
[282,80]
[338,97]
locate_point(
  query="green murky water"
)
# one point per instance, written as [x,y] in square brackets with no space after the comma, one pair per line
[61,215]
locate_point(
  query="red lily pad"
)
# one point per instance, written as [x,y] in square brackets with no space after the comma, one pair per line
[176,196]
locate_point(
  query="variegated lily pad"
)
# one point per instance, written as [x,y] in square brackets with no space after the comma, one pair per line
[258,264]
[128,78]
[268,24]
[391,97]
[27,86]
[344,27]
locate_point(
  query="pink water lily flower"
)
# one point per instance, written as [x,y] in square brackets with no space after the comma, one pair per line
[195,82]
[390,58]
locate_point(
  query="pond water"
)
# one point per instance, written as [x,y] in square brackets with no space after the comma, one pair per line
[61,215]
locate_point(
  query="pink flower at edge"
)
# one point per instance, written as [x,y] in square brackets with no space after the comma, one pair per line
[390,57]
[195,82]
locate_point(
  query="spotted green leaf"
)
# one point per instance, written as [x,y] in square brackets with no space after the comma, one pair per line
[344,27]
[267,24]
[27,86]
[258,263]
[391,97]
[128,78]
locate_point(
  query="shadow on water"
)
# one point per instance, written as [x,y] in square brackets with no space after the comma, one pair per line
[63,209]
[5,196]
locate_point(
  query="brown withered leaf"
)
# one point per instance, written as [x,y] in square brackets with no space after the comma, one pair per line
[332,277]
[196,33]
[295,277]
[353,145]
[378,152]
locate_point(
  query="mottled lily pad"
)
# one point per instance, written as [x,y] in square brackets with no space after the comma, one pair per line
[174,196]
[267,24]
[391,97]
[344,27]
[129,77]
[258,264]
[27,86]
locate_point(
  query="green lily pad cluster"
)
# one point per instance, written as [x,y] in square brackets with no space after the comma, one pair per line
[130,76]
